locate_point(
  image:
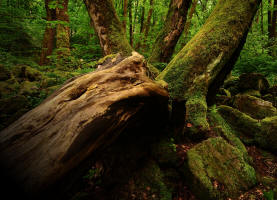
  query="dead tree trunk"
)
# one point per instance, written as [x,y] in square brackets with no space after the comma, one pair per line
[86,114]
[171,32]
[49,35]
[108,27]
[200,68]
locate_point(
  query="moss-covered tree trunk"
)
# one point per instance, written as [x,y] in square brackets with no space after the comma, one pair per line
[108,27]
[48,43]
[171,32]
[63,33]
[199,69]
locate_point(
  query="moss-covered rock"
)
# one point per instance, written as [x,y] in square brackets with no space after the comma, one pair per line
[221,128]
[13,104]
[232,85]
[254,107]
[27,73]
[28,88]
[217,170]
[8,87]
[253,81]
[254,93]
[148,183]
[232,81]
[5,74]
[165,152]
[260,132]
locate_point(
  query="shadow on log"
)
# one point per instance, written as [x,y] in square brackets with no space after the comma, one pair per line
[87,114]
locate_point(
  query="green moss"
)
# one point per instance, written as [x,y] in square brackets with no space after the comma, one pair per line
[254,107]
[217,170]
[28,88]
[262,133]
[165,153]
[254,93]
[106,59]
[209,50]
[150,181]
[196,113]
[154,71]
[223,129]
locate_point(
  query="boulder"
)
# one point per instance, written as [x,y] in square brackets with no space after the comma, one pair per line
[164,152]
[232,85]
[222,129]
[8,87]
[148,183]
[254,107]
[86,115]
[217,170]
[261,132]
[253,81]
[28,88]
[27,73]
[4,73]
[254,93]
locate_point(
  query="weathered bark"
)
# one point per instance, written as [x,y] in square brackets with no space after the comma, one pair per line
[171,32]
[86,114]
[63,32]
[269,19]
[108,27]
[49,35]
[200,68]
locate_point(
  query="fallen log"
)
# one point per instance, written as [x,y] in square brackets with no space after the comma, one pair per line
[87,114]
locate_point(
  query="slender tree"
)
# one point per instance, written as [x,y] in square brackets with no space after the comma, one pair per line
[130,22]
[63,32]
[148,21]
[48,43]
[108,27]
[125,11]
[171,32]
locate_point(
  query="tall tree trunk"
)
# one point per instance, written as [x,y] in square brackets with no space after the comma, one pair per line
[49,35]
[262,18]
[63,33]
[274,31]
[148,22]
[190,15]
[125,11]
[269,19]
[130,22]
[142,17]
[200,68]
[171,32]
[142,25]
[108,27]
[274,20]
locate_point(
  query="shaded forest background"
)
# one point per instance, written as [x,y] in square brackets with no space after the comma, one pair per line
[23,25]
